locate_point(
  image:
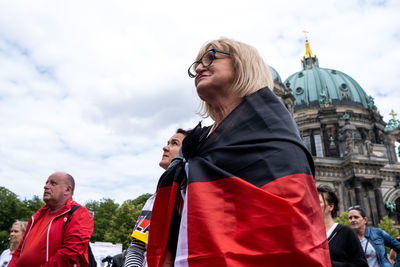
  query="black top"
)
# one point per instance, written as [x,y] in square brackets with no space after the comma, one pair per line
[345,248]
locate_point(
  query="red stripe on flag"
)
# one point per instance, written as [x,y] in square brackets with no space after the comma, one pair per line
[234,223]
[160,224]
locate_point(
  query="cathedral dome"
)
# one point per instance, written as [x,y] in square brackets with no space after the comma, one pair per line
[275,75]
[315,86]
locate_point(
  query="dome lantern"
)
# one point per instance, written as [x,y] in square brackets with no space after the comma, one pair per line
[309,60]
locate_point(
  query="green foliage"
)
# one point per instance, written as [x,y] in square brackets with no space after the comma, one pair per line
[343,218]
[102,212]
[122,223]
[30,206]
[386,224]
[4,240]
[9,208]
[141,200]
[12,209]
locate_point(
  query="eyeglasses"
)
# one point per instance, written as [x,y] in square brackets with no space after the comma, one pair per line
[356,207]
[206,60]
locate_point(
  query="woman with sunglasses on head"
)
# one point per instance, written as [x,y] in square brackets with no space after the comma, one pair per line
[244,194]
[373,240]
[135,254]
[344,246]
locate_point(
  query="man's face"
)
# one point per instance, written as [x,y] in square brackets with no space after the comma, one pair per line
[55,189]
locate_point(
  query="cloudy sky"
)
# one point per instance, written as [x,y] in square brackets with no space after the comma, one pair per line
[95,88]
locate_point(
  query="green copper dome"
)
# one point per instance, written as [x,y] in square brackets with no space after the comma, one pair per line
[315,86]
[275,75]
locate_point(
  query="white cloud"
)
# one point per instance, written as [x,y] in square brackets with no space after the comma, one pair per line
[96,88]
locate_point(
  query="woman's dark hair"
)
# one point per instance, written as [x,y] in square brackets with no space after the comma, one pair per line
[184,132]
[361,210]
[331,198]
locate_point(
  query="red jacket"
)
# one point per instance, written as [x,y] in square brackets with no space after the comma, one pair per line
[65,246]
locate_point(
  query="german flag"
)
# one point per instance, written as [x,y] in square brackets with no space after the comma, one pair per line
[243,196]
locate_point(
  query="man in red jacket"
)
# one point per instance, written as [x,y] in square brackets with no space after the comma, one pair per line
[51,238]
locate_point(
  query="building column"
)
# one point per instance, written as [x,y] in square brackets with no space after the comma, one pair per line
[358,191]
[376,184]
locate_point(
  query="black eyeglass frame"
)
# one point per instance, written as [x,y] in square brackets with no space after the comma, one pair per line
[200,61]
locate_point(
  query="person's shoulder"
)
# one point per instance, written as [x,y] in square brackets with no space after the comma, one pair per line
[39,213]
[5,252]
[348,231]
[82,210]
[345,227]
[376,230]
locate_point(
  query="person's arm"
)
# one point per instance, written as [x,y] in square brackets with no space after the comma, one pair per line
[76,237]
[390,241]
[135,254]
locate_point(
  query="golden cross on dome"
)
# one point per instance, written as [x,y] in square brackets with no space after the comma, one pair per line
[394,114]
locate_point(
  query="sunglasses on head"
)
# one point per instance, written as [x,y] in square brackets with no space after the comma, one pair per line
[355,207]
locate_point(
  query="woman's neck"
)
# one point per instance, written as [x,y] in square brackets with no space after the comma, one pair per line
[329,222]
[13,247]
[223,108]
[360,232]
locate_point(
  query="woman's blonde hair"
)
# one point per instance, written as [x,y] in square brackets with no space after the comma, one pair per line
[250,71]
[21,224]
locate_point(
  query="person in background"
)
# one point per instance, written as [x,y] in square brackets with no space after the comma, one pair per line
[135,254]
[244,193]
[344,246]
[52,237]
[17,231]
[373,240]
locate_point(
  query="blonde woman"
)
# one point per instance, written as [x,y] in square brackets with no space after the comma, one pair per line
[17,231]
[244,194]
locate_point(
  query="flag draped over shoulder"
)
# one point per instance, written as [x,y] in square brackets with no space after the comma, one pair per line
[250,195]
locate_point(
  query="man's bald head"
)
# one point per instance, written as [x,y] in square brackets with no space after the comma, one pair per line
[58,189]
[71,182]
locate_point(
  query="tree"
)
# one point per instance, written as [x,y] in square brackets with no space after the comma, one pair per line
[30,206]
[141,200]
[10,211]
[9,208]
[102,212]
[124,220]
[386,224]
[343,218]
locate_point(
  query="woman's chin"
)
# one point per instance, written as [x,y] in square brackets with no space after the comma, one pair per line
[163,165]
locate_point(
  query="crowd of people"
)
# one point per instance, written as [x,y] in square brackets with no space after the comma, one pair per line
[240,192]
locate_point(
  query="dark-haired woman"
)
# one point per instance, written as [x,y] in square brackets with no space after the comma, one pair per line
[135,254]
[344,247]
[373,240]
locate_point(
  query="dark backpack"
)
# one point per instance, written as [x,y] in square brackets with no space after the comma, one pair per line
[92,260]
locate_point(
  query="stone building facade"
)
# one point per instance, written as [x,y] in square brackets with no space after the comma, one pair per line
[353,148]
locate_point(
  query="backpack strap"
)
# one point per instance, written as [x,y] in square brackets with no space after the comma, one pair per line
[91,258]
[71,211]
